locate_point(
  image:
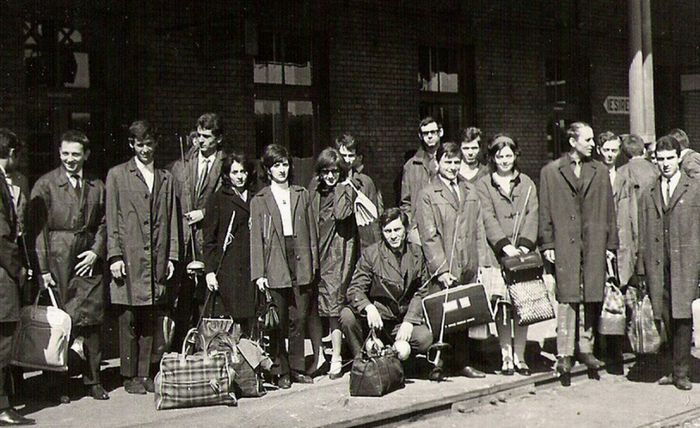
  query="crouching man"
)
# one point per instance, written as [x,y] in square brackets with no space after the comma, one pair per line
[386,290]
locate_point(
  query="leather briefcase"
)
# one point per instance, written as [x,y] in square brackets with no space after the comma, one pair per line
[522,268]
[464,306]
[377,371]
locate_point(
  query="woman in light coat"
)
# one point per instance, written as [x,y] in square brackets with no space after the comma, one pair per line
[507,196]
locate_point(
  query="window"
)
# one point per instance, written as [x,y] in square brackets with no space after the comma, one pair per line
[286,101]
[445,82]
[55,55]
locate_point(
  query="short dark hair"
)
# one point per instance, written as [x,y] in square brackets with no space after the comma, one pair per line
[235,156]
[142,129]
[391,214]
[75,136]
[681,136]
[331,157]
[668,142]
[427,120]
[8,141]
[470,134]
[212,122]
[347,141]
[273,153]
[498,142]
[449,148]
[574,129]
[632,145]
[606,136]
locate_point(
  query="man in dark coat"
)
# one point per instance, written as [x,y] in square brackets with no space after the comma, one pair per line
[68,214]
[196,178]
[387,289]
[10,266]
[638,170]
[669,250]
[577,225]
[142,248]
[418,171]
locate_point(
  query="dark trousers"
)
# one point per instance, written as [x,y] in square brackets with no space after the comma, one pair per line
[93,353]
[293,305]
[7,330]
[679,332]
[355,329]
[137,328]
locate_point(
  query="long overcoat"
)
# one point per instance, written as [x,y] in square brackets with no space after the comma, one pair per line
[684,240]
[577,221]
[185,176]
[268,254]
[450,230]
[337,252]
[233,267]
[627,226]
[66,224]
[394,285]
[10,264]
[417,174]
[142,231]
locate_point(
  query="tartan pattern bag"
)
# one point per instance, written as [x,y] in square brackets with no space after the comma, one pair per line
[200,379]
[643,333]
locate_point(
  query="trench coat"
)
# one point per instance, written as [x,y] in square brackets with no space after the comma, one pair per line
[417,174]
[66,224]
[578,223]
[627,226]
[640,173]
[268,254]
[684,240]
[185,178]
[499,210]
[395,286]
[337,253]
[371,233]
[141,231]
[233,270]
[10,264]
[450,230]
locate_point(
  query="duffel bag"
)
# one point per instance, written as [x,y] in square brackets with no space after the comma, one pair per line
[200,379]
[377,371]
[249,369]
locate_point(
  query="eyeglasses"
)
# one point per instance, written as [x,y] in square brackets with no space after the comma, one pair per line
[327,171]
[431,132]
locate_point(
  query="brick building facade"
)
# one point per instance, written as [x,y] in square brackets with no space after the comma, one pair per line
[301,72]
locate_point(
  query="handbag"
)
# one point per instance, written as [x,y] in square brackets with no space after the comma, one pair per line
[42,336]
[377,371]
[204,378]
[526,288]
[270,317]
[365,210]
[612,316]
[642,332]
[215,332]
[464,306]
[84,301]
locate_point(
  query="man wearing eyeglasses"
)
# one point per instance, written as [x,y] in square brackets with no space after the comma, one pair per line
[419,170]
[196,178]
[142,249]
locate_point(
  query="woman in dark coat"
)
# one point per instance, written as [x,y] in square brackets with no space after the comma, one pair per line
[226,233]
[332,206]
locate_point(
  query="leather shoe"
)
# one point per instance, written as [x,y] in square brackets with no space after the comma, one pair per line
[300,378]
[564,370]
[134,386]
[523,369]
[10,417]
[683,383]
[148,384]
[64,399]
[98,392]
[471,372]
[590,361]
[284,382]
[435,374]
[666,380]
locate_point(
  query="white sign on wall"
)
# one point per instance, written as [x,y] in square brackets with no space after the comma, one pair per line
[617,105]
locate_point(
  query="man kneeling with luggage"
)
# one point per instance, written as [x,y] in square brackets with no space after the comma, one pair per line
[386,290]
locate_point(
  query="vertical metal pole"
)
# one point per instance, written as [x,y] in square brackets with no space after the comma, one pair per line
[636,74]
[648,70]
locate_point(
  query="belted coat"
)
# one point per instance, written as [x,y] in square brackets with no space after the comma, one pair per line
[684,245]
[141,231]
[577,221]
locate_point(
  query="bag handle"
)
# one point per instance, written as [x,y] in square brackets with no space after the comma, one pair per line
[54,303]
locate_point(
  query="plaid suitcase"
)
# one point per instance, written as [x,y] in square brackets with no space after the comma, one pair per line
[200,379]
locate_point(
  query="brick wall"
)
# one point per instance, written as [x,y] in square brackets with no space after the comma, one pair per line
[11,73]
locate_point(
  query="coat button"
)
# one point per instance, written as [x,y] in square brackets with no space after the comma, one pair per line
[573,241]
[298,257]
[573,217]
[657,239]
[658,262]
[146,248]
[145,222]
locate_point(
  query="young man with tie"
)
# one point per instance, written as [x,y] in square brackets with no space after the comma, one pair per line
[68,214]
[669,254]
[142,249]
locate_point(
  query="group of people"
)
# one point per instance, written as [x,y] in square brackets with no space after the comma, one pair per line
[335,262]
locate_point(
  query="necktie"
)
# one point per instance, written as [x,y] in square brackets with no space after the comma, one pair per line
[76,187]
[455,190]
[203,177]
[577,169]
[667,192]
